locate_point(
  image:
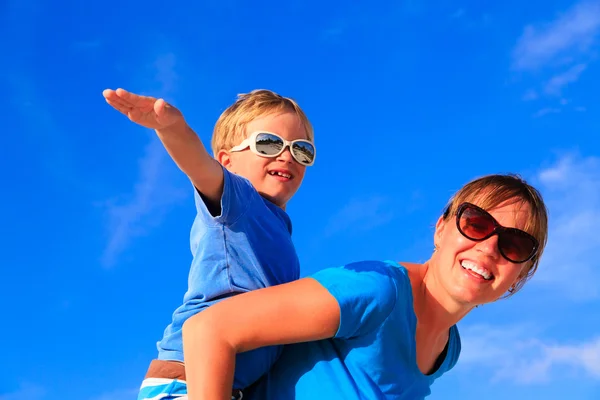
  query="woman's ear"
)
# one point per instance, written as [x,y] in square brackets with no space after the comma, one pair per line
[524,270]
[224,158]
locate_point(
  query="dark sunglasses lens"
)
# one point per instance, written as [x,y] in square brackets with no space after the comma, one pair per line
[475,224]
[304,152]
[516,247]
[268,144]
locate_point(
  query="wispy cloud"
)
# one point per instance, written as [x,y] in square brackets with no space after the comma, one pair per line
[560,50]
[573,33]
[143,209]
[458,13]
[166,74]
[530,95]
[516,354]
[558,82]
[154,193]
[335,30]
[571,188]
[26,391]
[46,136]
[361,214]
[546,111]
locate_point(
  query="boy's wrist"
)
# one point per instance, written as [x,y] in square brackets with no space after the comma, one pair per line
[178,127]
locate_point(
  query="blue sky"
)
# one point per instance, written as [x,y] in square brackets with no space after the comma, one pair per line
[409,99]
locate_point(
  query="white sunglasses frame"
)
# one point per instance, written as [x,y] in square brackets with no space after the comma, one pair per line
[250,142]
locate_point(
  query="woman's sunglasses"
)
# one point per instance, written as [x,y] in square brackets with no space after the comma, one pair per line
[476,224]
[268,144]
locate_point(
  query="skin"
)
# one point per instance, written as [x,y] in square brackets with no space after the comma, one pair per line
[304,310]
[258,169]
[444,292]
[190,155]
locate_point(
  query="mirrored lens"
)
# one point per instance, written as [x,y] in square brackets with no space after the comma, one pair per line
[268,144]
[304,152]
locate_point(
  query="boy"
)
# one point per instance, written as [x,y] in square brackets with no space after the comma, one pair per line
[241,236]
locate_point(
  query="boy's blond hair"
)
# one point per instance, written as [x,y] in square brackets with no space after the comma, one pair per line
[230,127]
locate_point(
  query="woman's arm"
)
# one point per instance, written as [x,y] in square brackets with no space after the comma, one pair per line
[295,312]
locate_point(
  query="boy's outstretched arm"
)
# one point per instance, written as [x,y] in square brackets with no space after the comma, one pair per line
[295,312]
[180,141]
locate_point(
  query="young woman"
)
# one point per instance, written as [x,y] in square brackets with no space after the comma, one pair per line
[372,329]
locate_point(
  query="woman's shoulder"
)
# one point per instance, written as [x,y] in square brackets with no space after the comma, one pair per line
[380,273]
[386,269]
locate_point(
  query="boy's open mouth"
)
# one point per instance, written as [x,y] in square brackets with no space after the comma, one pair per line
[281,173]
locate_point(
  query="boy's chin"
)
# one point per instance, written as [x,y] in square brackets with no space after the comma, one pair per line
[279,199]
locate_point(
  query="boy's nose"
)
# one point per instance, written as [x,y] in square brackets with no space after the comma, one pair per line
[286,155]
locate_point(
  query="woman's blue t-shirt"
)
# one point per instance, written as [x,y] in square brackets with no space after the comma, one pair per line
[373,354]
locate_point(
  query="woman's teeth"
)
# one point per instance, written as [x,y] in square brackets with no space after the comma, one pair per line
[471,266]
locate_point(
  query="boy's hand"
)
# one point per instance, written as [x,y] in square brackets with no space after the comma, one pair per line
[144,110]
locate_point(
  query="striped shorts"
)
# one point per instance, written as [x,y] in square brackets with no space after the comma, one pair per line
[163,389]
[167,389]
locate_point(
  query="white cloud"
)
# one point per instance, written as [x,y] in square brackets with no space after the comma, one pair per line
[361,214]
[26,391]
[558,82]
[571,188]
[516,354]
[145,207]
[571,34]
[166,74]
[335,30]
[530,95]
[559,51]
[546,111]
[458,13]
[153,194]
[46,136]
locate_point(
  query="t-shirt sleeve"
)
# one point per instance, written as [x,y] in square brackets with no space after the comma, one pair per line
[366,293]
[238,195]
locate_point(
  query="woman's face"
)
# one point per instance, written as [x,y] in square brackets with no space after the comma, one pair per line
[471,272]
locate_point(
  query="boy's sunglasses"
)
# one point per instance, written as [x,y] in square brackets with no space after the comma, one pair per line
[476,224]
[268,144]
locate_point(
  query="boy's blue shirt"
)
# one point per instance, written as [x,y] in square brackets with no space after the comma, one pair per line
[247,247]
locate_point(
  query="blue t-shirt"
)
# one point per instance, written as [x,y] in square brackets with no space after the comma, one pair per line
[247,247]
[373,353]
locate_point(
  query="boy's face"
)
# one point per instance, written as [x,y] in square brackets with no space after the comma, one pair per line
[261,171]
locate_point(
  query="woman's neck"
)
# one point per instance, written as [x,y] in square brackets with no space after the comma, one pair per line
[435,310]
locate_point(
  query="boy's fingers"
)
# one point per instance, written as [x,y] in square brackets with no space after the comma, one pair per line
[112,97]
[120,107]
[117,100]
[109,93]
[134,99]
